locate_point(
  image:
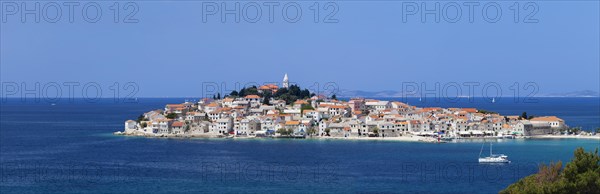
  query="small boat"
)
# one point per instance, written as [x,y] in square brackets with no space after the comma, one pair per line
[508,136]
[447,138]
[493,158]
[493,100]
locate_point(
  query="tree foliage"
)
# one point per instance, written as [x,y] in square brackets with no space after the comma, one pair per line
[291,94]
[171,115]
[311,130]
[523,116]
[141,118]
[486,111]
[575,130]
[306,107]
[249,91]
[266,98]
[285,131]
[581,175]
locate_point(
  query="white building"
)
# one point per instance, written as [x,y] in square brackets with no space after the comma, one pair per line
[248,126]
[224,125]
[286,81]
[130,126]
[378,105]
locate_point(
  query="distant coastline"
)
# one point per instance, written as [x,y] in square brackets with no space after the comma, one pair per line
[400,94]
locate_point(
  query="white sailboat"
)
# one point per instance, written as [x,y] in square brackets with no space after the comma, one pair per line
[493,100]
[493,158]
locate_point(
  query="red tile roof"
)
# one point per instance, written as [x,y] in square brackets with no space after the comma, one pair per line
[292,122]
[177,124]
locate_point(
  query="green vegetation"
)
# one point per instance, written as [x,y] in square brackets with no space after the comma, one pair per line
[171,115]
[524,116]
[285,131]
[206,117]
[311,130]
[575,130]
[141,118]
[306,107]
[249,91]
[376,131]
[266,98]
[291,94]
[581,175]
[486,112]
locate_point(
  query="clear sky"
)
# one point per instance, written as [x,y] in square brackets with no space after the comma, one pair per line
[171,51]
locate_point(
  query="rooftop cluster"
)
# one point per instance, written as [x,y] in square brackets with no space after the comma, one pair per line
[320,116]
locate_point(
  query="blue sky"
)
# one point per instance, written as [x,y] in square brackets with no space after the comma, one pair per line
[171,51]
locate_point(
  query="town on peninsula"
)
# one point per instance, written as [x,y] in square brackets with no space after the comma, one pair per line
[290,112]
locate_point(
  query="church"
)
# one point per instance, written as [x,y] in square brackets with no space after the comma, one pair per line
[273,88]
[286,82]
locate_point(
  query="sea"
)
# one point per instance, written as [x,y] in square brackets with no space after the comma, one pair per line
[67,146]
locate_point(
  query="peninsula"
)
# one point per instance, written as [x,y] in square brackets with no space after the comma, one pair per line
[290,112]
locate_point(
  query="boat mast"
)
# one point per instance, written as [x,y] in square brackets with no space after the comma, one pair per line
[481,151]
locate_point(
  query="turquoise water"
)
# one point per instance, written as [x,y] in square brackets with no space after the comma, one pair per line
[69,148]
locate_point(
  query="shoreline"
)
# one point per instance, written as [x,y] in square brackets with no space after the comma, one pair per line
[212,136]
[566,137]
[413,138]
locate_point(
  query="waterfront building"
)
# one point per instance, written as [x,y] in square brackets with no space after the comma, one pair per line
[359,117]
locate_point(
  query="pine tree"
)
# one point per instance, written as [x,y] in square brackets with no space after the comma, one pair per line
[524,115]
[266,99]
